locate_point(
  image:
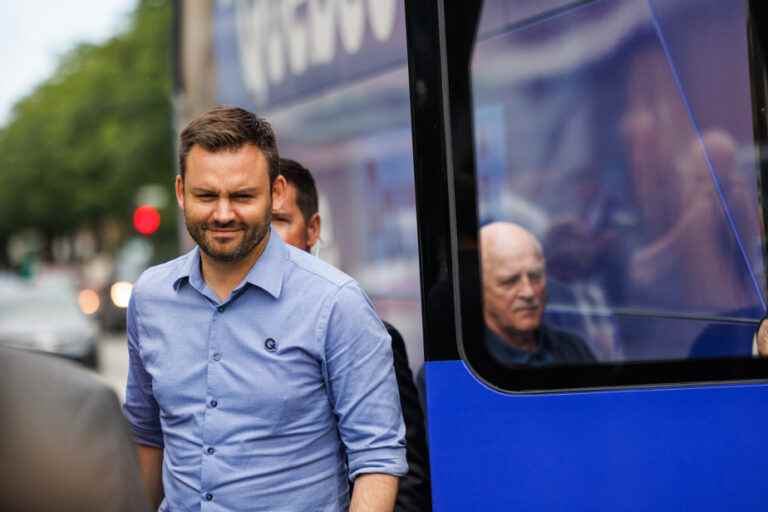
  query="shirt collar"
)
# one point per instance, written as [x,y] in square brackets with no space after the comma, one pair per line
[267,273]
[186,267]
[508,354]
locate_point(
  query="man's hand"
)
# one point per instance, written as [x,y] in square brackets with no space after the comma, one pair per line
[762,338]
[374,492]
[151,465]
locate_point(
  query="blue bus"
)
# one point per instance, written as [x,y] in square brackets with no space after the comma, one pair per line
[627,138]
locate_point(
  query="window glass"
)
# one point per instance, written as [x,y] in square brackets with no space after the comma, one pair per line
[617,184]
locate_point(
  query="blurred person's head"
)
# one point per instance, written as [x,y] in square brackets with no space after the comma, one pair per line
[229,183]
[655,128]
[514,281]
[297,220]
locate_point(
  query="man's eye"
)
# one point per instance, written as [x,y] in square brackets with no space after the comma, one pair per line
[511,282]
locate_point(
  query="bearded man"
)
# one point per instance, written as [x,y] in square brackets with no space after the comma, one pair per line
[260,377]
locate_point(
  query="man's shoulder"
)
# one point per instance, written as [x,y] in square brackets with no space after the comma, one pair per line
[63,378]
[573,346]
[67,432]
[316,270]
[164,273]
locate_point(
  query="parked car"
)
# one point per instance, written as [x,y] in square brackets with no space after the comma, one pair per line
[130,261]
[44,316]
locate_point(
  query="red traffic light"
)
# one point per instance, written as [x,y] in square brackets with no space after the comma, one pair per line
[146,219]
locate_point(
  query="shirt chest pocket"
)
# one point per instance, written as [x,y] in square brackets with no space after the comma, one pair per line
[286,387]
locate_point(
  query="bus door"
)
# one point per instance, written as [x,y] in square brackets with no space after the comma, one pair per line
[589,181]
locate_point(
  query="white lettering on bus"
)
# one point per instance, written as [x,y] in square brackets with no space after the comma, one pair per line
[281,38]
[297,35]
[352,25]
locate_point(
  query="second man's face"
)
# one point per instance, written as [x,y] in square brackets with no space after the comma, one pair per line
[289,222]
[226,199]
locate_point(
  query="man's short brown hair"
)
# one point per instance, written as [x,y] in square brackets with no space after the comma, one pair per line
[229,128]
[306,191]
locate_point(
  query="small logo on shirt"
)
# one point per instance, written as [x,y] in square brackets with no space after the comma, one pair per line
[270,344]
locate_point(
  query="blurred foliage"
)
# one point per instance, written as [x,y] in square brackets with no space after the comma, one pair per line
[79,146]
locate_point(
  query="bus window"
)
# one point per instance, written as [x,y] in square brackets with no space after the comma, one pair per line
[617,185]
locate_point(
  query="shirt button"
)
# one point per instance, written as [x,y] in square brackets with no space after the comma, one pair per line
[220,309]
[214,403]
[217,357]
[208,497]
[211,450]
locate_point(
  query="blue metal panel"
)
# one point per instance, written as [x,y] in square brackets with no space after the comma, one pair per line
[692,448]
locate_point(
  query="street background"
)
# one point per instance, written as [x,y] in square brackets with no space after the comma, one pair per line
[113,362]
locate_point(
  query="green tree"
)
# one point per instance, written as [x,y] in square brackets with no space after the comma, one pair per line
[81,144]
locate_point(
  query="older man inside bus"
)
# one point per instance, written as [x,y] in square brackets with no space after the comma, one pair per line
[514,296]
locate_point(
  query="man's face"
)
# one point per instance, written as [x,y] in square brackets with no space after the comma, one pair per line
[290,224]
[514,291]
[227,201]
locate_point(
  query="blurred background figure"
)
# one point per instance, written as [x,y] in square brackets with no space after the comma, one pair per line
[66,446]
[699,246]
[680,210]
[514,295]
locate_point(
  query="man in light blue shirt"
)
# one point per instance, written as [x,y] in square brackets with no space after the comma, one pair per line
[256,370]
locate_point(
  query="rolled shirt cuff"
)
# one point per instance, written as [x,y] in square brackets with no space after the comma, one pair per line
[389,461]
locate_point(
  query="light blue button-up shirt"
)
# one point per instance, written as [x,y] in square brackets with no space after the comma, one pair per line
[270,400]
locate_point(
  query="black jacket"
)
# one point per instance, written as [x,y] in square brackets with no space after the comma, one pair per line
[414,492]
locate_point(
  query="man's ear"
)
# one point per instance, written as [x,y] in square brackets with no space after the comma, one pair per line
[313,230]
[279,187]
[180,191]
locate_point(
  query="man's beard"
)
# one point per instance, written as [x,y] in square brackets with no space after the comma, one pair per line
[252,236]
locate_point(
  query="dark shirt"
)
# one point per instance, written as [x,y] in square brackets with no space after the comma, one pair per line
[414,489]
[553,347]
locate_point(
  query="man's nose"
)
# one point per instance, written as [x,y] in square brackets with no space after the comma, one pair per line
[223,212]
[526,288]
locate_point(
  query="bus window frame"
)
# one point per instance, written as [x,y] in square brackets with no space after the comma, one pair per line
[446,207]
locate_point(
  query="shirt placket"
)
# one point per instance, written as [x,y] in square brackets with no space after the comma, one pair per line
[213,404]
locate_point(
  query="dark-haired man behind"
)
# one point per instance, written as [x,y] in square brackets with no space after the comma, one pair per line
[298,223]
[260,378]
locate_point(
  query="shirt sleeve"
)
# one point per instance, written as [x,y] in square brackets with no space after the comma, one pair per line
[362,386]
[140,408]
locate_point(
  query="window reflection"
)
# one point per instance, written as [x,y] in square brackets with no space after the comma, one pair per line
[618,134]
